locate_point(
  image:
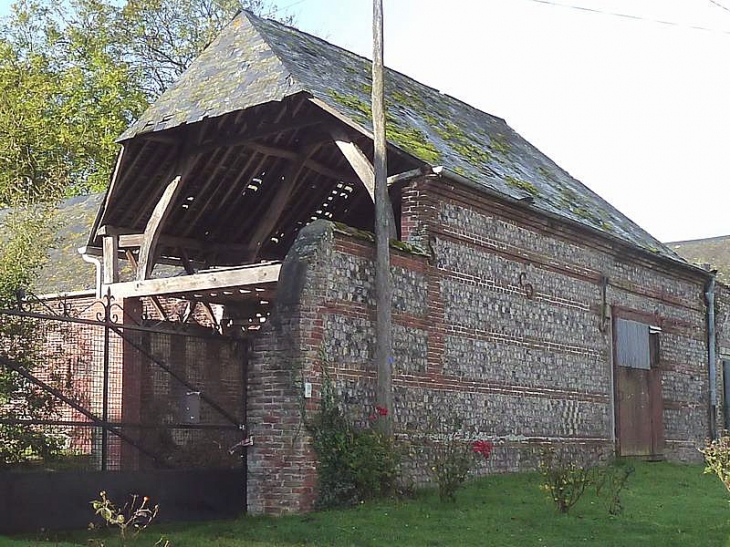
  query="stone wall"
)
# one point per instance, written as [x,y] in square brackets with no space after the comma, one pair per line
[505,325]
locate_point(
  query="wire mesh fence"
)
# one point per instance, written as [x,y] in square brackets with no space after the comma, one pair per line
[91,385]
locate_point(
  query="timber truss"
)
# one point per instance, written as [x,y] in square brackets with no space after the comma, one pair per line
[222,199]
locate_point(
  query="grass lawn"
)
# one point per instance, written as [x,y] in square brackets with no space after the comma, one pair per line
[665,505]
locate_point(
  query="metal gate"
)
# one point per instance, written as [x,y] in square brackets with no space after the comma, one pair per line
[130,397]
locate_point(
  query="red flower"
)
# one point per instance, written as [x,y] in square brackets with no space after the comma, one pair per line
[482,447]
[373,417]
[381,410]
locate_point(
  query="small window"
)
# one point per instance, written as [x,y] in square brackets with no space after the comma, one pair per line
[637,344]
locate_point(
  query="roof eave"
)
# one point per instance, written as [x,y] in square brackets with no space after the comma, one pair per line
[456,177]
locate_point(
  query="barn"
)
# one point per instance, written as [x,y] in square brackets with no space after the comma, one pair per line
[524,303]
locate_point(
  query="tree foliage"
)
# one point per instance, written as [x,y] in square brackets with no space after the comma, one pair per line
[75,74]
[26,235]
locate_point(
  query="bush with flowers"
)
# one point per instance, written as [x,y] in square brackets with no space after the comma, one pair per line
[453,455]
[355,462]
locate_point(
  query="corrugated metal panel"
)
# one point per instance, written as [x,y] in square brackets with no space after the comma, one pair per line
[632,344]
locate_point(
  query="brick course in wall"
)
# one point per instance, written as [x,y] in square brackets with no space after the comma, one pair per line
[502,325]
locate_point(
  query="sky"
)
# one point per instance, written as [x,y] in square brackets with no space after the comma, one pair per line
[631,97]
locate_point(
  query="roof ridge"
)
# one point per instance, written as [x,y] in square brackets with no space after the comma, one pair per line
[699,239]
[252,19]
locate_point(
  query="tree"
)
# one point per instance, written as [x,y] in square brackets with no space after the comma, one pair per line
[26,235]
[73,76]
[162,37]
[64,98]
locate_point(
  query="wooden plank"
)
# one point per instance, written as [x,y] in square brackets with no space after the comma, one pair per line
[269,220]
[200,282]
[634,412]
[110,249]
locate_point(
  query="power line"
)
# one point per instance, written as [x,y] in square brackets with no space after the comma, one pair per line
[719,5]
[634,17]
[277,10]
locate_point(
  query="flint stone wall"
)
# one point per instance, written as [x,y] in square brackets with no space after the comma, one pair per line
[502,326]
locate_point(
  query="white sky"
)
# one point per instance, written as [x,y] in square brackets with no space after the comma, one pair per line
[639,111]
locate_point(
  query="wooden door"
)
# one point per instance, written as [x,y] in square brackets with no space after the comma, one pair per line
[638,393]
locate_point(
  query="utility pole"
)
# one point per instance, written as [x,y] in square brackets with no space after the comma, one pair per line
[383,208]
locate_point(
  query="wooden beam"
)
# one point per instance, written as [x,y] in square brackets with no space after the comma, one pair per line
[189,311]
[130,258]
[364,170]
[110,246]
[132,241]
[158,307]
[148,246]
[409,175]
[310,164]
[356,158]
[147,250]
[200,282]
[270,218]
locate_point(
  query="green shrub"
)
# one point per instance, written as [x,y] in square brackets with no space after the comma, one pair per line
[452,456]
[563,478]
[354,463]
[610,480]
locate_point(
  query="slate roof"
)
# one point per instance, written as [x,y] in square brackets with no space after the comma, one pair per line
[714,251]
[255,61]
[65,271]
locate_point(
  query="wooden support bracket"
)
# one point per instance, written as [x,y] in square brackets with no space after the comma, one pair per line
[362,167]
[147,251]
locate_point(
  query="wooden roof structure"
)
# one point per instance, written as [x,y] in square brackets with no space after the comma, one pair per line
[269,129]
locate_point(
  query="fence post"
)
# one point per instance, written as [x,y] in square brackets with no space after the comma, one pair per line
[105,389]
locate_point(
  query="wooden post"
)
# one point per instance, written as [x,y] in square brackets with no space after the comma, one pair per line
[110,245]
[383,281]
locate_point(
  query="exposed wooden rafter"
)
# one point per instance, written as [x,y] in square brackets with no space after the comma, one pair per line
[311,164]
[266,130]
[279,202]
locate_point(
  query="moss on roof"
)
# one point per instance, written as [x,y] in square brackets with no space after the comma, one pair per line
[255,61]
